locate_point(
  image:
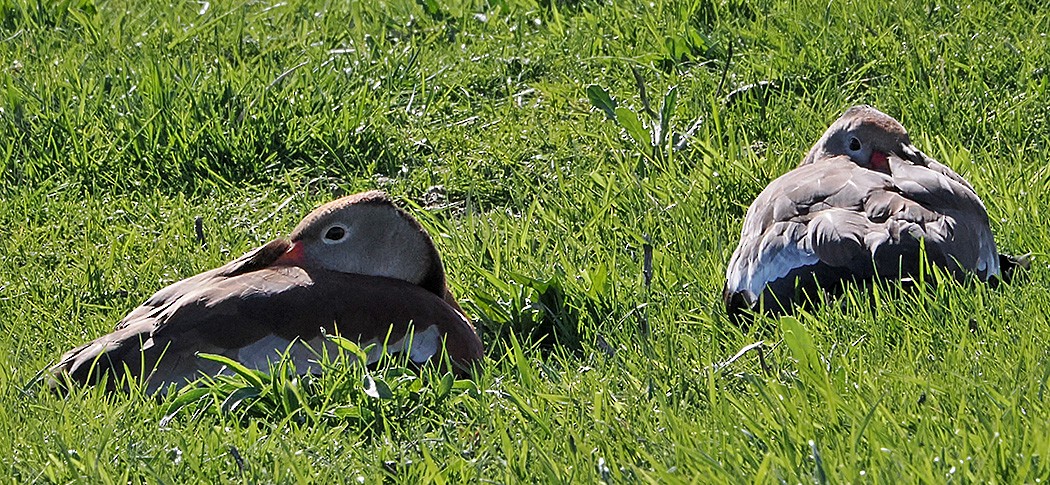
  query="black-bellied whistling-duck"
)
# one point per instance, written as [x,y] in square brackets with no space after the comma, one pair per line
[358,267]
[859,207]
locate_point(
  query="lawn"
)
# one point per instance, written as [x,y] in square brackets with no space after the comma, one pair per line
[123,122]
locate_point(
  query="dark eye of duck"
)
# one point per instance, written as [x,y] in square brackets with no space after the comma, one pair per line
[335,234]
[854,143]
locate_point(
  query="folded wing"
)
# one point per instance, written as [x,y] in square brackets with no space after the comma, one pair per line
[254,316]
[831,221]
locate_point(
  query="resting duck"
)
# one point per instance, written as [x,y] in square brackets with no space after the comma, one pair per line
[859,207]
[358,267]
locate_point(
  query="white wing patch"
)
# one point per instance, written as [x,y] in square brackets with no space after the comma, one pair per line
[750,271]
[771,267]
[267,350]
[423,345]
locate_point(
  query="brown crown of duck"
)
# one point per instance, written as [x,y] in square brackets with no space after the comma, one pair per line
[358,266]
[862,205]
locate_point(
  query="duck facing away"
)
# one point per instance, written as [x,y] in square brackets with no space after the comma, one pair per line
[358,267]
[860,206]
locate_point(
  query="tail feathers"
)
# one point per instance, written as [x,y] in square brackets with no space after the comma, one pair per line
[111,359]
[736,306]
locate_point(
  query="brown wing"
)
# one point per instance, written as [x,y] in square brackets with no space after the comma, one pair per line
[257,258]
[252,316]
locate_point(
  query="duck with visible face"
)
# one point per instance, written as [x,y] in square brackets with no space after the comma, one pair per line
[358,267]
[860,206]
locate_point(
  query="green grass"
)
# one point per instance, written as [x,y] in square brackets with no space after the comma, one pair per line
[123,121]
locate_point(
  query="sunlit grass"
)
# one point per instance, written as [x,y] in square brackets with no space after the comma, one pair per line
[121,122]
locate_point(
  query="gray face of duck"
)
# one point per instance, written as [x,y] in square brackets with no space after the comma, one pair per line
[868,137]
[859,206]
[366,234]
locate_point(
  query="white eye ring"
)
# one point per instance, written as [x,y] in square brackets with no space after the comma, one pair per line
[336,233]
[854,144]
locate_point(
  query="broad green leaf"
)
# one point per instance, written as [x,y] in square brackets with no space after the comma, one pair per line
[444,386]
[346,412]
[698,39]
[466,385]
[524,370]
[630,122]
[415,385]
[432,8]
[252,376]
[349,346]
[186,398]
[237,397]
[800,342]
[377,389]
[600,99]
